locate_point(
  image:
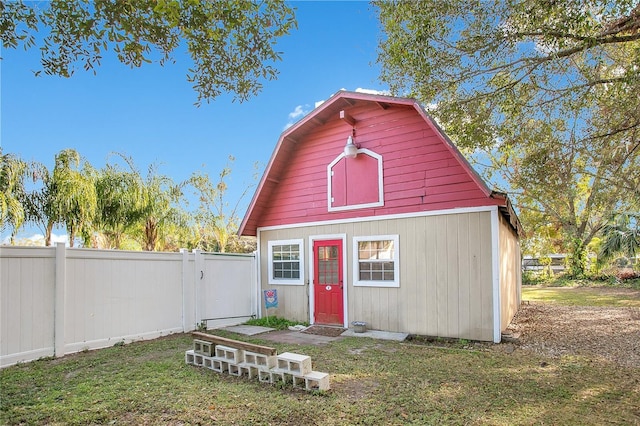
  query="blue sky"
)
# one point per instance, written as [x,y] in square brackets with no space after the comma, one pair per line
[149,113]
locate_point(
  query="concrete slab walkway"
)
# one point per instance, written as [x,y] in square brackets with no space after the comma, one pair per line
[298,338]
[248,330]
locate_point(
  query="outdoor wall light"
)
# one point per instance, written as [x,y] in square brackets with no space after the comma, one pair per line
[350,149]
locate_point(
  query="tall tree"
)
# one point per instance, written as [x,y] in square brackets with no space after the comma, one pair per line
[120,197]
[72,194]
[66,196]
[231,42]
[146,207]
[13,172]
[216,220]
[158,210]
[547,89]
[469,58]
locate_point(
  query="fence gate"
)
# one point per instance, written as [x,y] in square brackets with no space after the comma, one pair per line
[227,293]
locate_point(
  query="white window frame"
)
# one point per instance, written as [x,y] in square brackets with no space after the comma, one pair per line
[285,281]
[396,261]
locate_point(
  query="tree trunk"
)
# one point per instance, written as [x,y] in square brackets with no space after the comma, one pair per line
[72,236]
[47,237]
[150,235]
[578,258]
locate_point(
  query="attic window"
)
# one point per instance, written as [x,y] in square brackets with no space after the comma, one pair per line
[355,183]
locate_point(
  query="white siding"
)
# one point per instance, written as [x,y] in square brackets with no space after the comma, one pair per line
[445,276]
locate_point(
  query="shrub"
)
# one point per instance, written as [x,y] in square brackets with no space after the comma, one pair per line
[627,274]
[274,322]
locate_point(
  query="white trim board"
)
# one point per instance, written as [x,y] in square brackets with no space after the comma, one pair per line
[378,203]
[495,273]
[383,217]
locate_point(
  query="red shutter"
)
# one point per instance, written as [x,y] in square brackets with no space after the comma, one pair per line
[362,180]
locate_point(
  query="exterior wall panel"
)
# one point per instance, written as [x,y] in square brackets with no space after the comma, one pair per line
[445,276]
[293,301]
[510,273]
[420,172]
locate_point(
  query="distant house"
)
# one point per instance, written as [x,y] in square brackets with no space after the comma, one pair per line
[368,212]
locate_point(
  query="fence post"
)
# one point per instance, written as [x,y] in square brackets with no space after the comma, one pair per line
[59,305]
[255,287]
[198,276]
[183,276]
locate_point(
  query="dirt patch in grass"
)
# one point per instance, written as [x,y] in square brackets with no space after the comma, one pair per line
[320,330]
[556,330]
[355,389]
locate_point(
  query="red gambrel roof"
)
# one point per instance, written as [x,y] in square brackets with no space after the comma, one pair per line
[287,144]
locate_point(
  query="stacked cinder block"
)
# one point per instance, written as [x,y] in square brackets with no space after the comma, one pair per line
[288,368]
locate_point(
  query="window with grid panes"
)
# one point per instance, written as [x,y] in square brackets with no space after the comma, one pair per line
[285,262]
[376,261]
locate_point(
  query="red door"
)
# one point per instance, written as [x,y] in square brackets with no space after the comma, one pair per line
[327,282]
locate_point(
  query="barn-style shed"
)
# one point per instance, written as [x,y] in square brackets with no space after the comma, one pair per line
[368,212]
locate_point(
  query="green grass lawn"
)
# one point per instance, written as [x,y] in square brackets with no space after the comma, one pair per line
[583,296]
[373,382]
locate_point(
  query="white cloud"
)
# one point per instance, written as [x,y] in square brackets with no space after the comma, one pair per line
[373,91]
[302,110]
[59,239]
[37,240]
[297,113]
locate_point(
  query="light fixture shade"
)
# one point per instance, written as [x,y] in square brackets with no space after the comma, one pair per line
[350,149]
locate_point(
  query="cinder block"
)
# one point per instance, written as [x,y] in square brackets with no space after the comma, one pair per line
[198,359]
[232,355]
[278,375]
[207,362]
[203,347]
[259,360]
[189,357]
[248,370]
[299,382]
[234,370]
[264,376]
[220,366]
[316,381]
[294,363]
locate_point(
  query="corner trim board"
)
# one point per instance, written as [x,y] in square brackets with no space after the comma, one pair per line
[495,274]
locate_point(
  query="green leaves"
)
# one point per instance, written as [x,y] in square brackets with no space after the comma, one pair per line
[546,90]
[468,57]
[13,173]
[621,236]
[118,206]
[231,42]
[216,221]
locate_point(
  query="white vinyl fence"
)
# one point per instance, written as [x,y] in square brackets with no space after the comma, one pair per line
[56,300]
